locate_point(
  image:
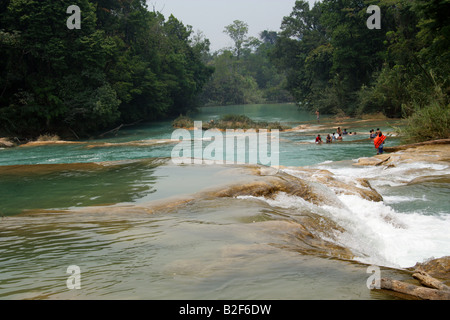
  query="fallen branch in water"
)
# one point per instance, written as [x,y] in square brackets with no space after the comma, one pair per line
[413,290]
[74,133]
[428,281]
[427,273]
[115,130]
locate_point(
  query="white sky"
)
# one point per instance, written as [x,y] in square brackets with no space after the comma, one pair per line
[211,16]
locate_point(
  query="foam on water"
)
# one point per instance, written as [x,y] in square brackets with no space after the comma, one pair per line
[390,176]
[401,199]
[374,231]
[379,235]
[284,200]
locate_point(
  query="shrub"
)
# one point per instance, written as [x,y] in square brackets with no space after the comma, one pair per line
[427,123]
[48,137]
[183,122]
[230,121]
[236,118]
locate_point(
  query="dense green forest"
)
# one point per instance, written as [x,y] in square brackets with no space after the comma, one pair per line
[244,73]
[336,64]
[125,64]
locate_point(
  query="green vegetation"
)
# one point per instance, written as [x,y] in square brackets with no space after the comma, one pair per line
[125,64]
[244,74]
[128,64]
[183,122]
[48,137]
[428,123]
[335,64]
[229,121]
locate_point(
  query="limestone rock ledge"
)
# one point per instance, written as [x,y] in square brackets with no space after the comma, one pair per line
[6,143]
[438,268]
[431,281]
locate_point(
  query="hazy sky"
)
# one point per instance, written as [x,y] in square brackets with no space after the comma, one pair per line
[211,16]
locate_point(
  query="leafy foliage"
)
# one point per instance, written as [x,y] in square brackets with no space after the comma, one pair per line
[125,64]
[334,63]
[244,74]
[229,121]
[427,123]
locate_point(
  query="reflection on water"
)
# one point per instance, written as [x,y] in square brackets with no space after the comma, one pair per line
[63,186]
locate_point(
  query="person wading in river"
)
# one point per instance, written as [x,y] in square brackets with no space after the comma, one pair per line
[318,139]
[378,142]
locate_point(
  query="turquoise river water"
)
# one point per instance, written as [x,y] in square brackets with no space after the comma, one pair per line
[140,226]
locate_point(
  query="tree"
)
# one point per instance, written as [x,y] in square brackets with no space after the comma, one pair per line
[269,37]
[334,63]
[251,79]
[125,64]
[238,33]
[303,51]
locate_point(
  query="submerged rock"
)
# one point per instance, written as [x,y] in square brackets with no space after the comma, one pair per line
[359,187]
[269,186]
[439,179]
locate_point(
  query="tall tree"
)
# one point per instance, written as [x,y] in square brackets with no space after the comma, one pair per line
[238,33]
[251,79]
[302,48]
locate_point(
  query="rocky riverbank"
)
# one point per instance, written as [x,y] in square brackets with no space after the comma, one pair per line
[6,143]
[439,151]
[429,280]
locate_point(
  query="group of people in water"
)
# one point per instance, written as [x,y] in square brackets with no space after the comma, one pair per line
[377,137]
[335,136]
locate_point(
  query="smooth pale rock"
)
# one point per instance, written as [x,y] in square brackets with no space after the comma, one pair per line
[435,153]
[438,268]
[6,143]
[425,143]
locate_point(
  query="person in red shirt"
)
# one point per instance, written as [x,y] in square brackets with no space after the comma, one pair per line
[318,139]
[379,142]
